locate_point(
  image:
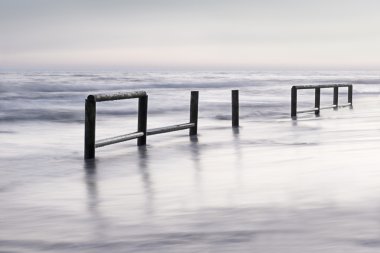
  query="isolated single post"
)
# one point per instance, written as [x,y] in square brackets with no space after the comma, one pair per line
[317,103]
[235,107]
[350,94]
[89,128]
[336,95]
[142,119]
[294,103]
[194,112]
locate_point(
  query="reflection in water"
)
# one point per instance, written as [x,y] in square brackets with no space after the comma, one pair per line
[236,136]
[194,148]
[195,157]
[91,182]
[238,156]
[91,185]
[146,179]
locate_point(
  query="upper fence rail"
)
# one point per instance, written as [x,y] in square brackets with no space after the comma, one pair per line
[303,87]
[117,96]
[317,100]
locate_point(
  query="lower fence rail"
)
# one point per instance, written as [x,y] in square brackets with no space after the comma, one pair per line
[117,139]
[167,129]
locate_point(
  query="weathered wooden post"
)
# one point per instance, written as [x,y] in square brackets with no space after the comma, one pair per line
[317,103]
[142,119]
[336,95]
[293,103]
[235,107]
[350,94]
[89,128]
[194,112]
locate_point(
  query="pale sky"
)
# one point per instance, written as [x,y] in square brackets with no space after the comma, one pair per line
[191,34]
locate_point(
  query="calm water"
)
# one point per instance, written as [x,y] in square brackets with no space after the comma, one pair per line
[272,185]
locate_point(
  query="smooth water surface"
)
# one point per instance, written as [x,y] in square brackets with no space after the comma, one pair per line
[272,185]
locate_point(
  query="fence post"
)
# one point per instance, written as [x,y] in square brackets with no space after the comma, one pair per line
[142,119]
[235,107]
[350,94]
[317,103]
[294,103]
[89,128]
[335,101]
[194,112]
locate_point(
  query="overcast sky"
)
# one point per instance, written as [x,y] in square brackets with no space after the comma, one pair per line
[191,34]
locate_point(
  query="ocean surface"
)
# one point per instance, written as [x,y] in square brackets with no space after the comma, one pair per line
[272,185]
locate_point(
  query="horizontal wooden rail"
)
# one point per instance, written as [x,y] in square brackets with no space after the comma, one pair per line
[167,129]
[309,110]
[118,96]
[317,102]
[322,86]
[345,105]
[327,107]
[117,139]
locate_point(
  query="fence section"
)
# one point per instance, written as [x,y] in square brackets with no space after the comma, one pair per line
[90,144]
[192,125]
[317,101]
[90,121]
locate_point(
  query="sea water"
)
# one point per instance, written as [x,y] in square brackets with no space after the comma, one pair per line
[272,185]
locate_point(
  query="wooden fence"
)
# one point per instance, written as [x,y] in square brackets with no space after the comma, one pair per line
[90,143]
[317,101]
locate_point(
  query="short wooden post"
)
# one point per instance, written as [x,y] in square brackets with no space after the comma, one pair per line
[194,112]
[89,128]
[336,95]
[317,103]
[235,107]
[350,94]
[142,119]
[293,112]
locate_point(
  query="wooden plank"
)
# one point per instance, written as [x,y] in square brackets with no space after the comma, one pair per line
[345,105]
[117,139]
[118,96]
[327,107]
[172,128]
[308,110]
[303,87]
